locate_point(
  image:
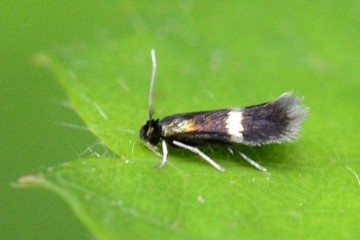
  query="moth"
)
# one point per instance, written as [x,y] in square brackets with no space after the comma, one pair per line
[277,121]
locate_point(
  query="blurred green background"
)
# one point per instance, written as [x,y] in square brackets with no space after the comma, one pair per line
[33,106]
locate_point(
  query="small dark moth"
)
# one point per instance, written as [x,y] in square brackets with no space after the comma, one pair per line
[277,121]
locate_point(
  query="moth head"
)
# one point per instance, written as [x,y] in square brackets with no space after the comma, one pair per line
[151,132]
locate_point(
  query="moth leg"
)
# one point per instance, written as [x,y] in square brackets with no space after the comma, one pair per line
[154,149]
[164,156]
[252,162]
[200,153]
[249,160]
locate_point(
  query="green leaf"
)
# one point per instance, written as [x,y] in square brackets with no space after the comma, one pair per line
[215,56]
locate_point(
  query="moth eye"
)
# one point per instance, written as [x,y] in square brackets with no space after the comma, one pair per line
[150,131]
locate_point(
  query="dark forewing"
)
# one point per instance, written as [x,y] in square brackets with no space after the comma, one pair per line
[197,127]
[273,122]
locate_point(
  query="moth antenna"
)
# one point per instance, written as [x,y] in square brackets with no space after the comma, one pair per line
[152,82]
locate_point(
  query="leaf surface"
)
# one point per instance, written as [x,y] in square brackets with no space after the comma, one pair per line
[247,54]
